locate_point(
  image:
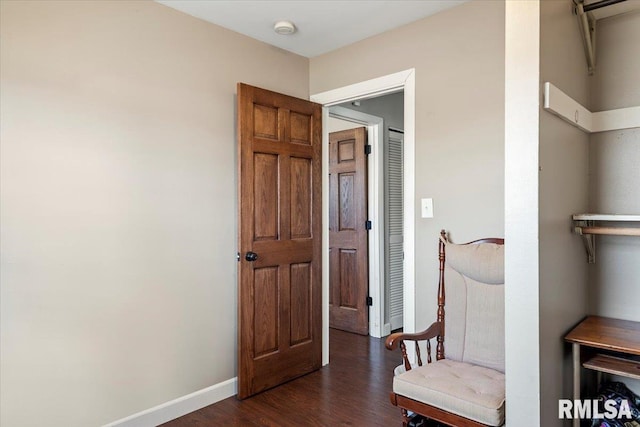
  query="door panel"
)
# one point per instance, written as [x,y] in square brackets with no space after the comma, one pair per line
[300,303]
[348,276]
[301,128]
[394,253]
[348,239]
[265,289]
[279,289]
[301,198]
[347,209]
[264,194]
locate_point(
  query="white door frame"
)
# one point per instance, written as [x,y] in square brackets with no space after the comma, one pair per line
[405,81]
[375,211]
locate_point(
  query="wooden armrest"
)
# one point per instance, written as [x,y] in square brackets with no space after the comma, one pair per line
[431,332]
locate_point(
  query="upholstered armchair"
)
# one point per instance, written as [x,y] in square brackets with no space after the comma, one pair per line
[465,384]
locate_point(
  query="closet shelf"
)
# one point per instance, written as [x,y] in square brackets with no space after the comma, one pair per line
[614,365]
[606,217]
[568,109]
[589,225]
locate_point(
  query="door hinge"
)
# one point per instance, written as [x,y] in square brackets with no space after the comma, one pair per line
[367,225]
[369,301]
[367,149]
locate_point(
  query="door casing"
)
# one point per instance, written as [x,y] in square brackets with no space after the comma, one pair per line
[405,81]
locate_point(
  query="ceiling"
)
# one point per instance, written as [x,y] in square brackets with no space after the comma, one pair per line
[322,25]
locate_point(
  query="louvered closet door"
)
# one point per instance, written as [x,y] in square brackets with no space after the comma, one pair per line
[394,216]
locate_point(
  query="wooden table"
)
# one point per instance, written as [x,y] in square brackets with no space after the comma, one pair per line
[603,333]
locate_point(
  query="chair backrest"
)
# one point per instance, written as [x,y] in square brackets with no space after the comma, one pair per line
[472,279]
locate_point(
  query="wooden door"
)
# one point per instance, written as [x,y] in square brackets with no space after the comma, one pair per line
[348,239]
[279,274]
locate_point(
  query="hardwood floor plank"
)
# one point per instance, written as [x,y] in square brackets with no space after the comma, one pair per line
[353,390]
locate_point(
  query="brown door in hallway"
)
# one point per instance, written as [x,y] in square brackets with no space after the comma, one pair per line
[348,240]
[279,273]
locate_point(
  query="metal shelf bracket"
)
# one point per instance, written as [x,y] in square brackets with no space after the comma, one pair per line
[589,240]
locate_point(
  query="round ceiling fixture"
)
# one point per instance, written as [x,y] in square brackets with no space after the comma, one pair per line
[284,28]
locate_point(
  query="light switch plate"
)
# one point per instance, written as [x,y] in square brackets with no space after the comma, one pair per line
[427,208]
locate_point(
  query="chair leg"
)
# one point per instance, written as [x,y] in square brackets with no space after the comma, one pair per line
[405,417]
[413,420]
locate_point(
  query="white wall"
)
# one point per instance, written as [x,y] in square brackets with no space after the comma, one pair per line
[118,212]
[389,107]
[522,110]
[458,56]
[563,180]
[336,125]
[615,170]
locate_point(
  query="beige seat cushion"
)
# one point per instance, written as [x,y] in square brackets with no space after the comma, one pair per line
[464,389]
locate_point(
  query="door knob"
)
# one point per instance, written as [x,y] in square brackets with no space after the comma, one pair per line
[251,256]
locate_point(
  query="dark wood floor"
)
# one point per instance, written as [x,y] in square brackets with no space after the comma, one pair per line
[353,390]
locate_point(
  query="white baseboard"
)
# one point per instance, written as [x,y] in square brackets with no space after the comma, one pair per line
[178,407]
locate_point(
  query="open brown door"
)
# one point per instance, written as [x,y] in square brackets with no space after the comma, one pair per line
[348,244]
[279,273]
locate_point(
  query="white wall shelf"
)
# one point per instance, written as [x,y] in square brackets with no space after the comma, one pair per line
[606,217]
[562,105]
[590,225]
